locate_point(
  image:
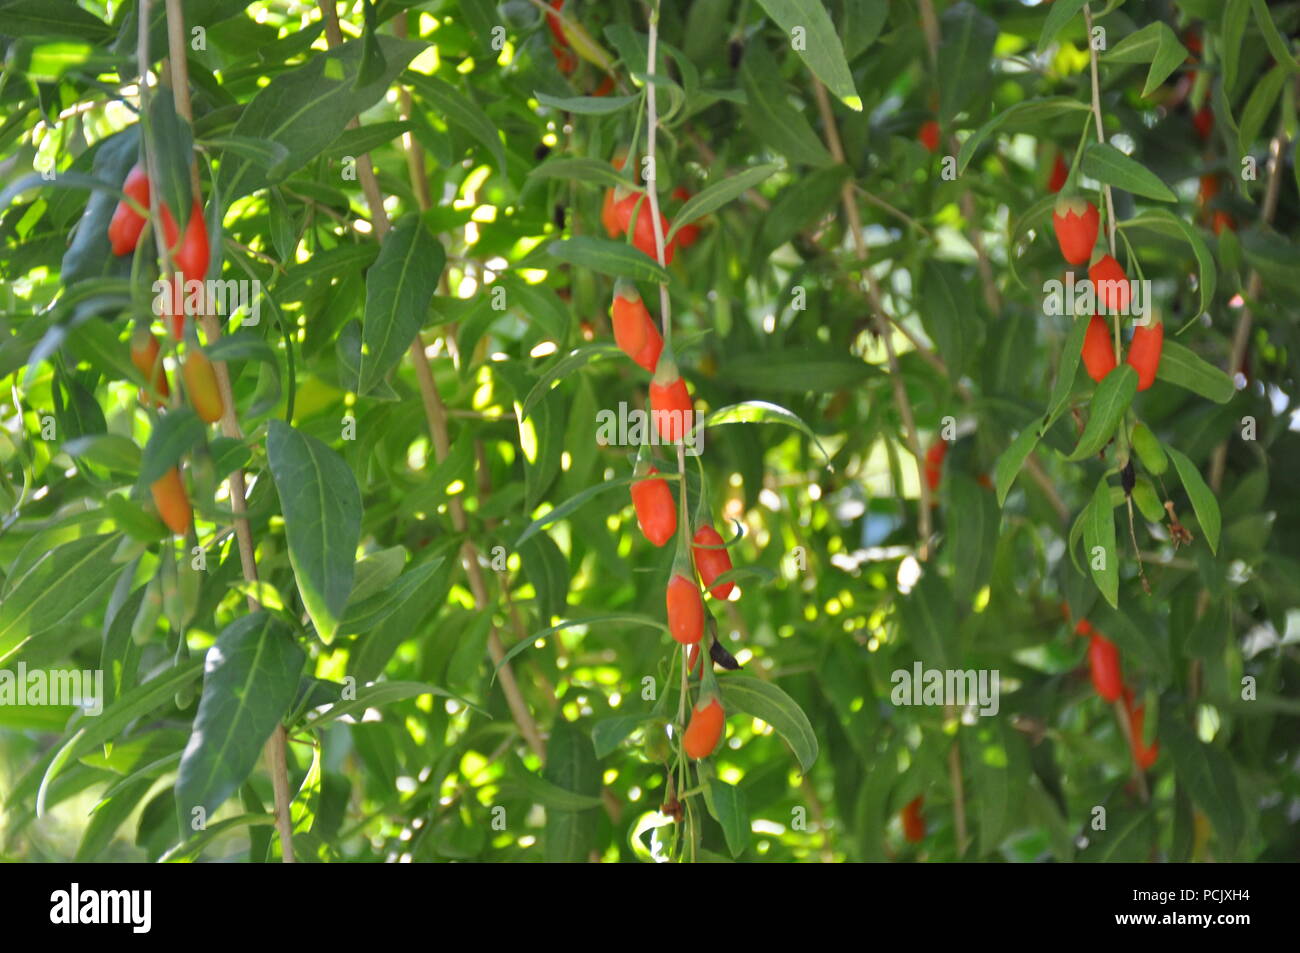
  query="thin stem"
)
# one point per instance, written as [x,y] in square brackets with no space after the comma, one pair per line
[436,418]
[276,748]
[878,315]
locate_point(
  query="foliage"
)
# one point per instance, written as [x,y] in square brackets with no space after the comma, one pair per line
[414,571]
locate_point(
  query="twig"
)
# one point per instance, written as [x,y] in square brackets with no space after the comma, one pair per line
[878,314]
[436,417]
[276,748]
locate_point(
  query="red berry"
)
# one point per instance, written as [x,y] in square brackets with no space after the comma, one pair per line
[1144,756]
[928,135]
[693,660]
[1110,284]
[634,329]
[126,225]
[934,463]
[1075,222]
[687,235]
[705,730]
[1060,172]
[190,256]
[913,821]
[1103,660]
[712,563]
[670,404]
[553,23]
[643,233]
[1223,220]
[1203,120]
[656,513]
[685,610]
[1098,351]
[1144,352]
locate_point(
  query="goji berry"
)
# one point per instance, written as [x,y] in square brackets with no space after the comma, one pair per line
[688,234]
[1098,351]
[1203,120]
[670,402]
[643,233]
[634,330]
[605,88]
[693,659]
[685,610]
[1209,188]
[144,355]
[126,224]
[554,25]
[1103,662]
[928,135]
[1060,173]
[934,463]
[1143,756]
[913,821]
[189,257]
[1110,284]
[1075,222]
[656,513]
[1222,220]
[705,730]
[1144,352]
[564,59]
[712,563]
[201,385]
[173,506]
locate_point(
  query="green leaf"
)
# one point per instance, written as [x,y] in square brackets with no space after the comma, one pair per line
[538,305]
[926,619]
[1156,44]
[564,367]
[608,257]
[171,142]
[1211,780]
[769,113]
[364,615]
[592,172]
[1026,114]
[459,110]
[572,766]
[306,109]
[1099,531]
[141,700]
[1109,166]
[1272,38]
[796,370]
[762,412]
[1066,371]
[250,678]
[820,48]
[1112,398]
[1058,15]
[1259,106]
[58,587]
[107,449]
[1236,14]
[718,195]
[399,287]
[1203,499]
[1162,220]
[1184,367]
[726,803]
[965,51]
[621,618]
[549,795]
[948,314]
[608,733]
[378,695]
[766,701]
[53,18]
[588,105]
[973,521]
[322,520]
[547,569]
[569,506]
[1013,458]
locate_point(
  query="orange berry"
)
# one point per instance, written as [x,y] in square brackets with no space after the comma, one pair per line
[704,731]
[173,506]
[685,610]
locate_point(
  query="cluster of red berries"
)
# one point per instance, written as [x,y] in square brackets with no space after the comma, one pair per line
[1076,223]
[1108,680]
